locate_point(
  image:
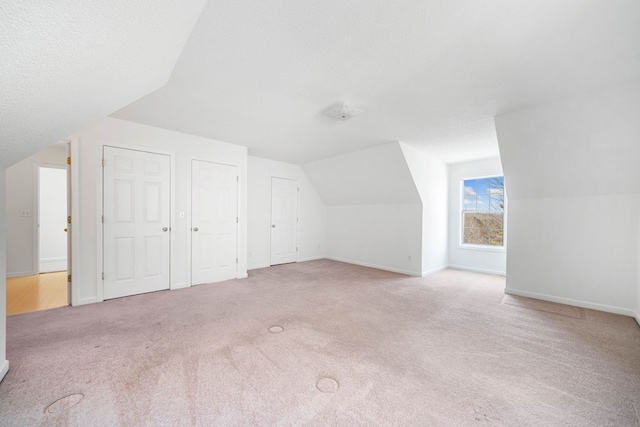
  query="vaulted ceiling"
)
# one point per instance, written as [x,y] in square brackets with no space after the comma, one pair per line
[66,64]
[426,72]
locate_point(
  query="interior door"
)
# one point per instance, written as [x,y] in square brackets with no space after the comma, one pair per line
[284,220]
[136,222]
[214,222]
[52,219]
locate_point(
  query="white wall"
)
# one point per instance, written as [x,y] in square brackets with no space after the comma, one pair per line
[182,147]
[489,260]
[580,250]
[313,214]
[574,184]
[374,211]
[430,178]
[4,364]
[21,196]
[380,236]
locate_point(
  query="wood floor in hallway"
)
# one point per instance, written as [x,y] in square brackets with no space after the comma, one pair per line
[35,293]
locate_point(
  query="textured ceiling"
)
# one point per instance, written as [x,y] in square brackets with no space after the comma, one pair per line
[429,73]
[66,64]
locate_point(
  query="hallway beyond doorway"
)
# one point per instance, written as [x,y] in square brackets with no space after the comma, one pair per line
[34,293]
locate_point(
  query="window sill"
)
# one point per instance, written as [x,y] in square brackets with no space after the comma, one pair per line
[483,248]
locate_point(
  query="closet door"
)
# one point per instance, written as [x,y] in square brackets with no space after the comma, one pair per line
[284,220]
[214,222]
[136,222]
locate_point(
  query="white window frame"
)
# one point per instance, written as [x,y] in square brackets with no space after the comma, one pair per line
[476,247]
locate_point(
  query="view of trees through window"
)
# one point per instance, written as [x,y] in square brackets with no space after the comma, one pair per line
[483,211]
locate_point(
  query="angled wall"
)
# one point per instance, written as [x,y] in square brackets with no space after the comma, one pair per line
[374,211]
[574,200]
[430,179]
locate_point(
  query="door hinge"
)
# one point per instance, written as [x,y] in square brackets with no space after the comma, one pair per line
[69,278]
[68,160]
[237,221]
[236,260]
[69,219]
[237,178]
[297,219]
[298,189]
[102,162]
[296,249]
[103,219]
[102,275]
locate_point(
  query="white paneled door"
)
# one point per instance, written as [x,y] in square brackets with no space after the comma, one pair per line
[136,222]
[214,222]
[284,220]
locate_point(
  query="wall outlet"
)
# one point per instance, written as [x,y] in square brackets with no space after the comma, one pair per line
[25,212]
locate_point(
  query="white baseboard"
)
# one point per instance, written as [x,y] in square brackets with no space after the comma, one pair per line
[312,258]
[574,302]
[4,368]
[21,273]
[477,270]
[379,267]
[180,285]
[637,317]
[50,265]
[256,266]
[90,300]
[434,270]
[242,276]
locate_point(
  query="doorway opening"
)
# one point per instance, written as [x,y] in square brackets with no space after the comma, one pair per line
[39,190]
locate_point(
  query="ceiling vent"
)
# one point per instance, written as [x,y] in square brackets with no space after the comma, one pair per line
[342,111]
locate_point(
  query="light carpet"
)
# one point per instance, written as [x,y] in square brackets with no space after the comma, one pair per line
[323,343]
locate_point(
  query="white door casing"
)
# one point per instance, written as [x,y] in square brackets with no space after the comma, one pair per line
[214,222]
[284,220]
[136,222]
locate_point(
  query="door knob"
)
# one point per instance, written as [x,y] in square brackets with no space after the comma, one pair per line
[273,226]
[164,228]
[195,228]
[65,230]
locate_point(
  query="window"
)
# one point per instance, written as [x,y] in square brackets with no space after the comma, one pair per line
[483,211]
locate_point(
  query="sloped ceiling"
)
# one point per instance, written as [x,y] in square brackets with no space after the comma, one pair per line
[426,72]
[66,64]
[377,175]
[585,146]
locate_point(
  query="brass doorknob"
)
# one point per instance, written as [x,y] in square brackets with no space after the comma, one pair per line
[164,228]
[195,228]
[65,230]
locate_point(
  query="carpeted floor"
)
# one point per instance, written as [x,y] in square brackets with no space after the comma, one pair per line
[323,343]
